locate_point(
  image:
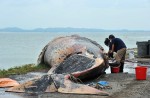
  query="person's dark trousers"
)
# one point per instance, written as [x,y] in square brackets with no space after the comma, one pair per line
[121,67]
[110,55]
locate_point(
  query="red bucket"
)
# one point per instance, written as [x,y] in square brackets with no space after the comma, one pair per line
[141,73]
[115,69]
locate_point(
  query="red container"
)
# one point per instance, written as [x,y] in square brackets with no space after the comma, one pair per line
[141,73]
[115,69]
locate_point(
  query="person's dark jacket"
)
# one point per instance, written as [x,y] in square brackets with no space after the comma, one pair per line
[118,44]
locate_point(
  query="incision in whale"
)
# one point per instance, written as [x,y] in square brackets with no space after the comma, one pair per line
[69,57]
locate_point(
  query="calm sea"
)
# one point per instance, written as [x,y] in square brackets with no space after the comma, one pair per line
[19,48]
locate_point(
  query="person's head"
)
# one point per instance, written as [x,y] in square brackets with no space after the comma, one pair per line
[107,41]
[111,37]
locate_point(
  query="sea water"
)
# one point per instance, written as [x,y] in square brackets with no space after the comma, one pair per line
[19,48]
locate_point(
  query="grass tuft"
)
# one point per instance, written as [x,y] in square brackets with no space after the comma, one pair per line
[22,69]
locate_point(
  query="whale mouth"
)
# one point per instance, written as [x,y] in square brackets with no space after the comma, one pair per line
[81,67]
[74,63]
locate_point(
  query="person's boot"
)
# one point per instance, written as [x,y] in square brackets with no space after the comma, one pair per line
[121,67]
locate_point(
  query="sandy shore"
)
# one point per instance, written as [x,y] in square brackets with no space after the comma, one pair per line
[124,85]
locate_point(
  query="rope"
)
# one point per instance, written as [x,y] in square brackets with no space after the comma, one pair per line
[74,79]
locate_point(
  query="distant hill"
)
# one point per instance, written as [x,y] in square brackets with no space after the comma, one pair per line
[12,29]
[68,29]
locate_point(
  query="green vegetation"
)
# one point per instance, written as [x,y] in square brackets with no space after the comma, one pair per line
[22,70]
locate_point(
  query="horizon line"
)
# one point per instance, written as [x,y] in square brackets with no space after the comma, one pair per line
[86,28]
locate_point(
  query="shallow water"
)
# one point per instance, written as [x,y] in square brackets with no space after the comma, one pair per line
[129,67]
[19,48]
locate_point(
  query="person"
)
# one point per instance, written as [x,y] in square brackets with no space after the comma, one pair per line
[108,43]
[119,47]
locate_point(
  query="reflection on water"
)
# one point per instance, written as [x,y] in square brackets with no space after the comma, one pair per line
[129,67]
[4,94]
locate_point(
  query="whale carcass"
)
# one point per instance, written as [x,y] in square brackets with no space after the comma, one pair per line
[71,58]
[7,82]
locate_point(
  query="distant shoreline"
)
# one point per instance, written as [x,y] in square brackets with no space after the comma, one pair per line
[67,29]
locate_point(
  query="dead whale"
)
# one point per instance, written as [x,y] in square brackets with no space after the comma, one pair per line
[70,58]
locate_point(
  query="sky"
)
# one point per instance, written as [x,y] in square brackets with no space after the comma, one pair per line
[100,14]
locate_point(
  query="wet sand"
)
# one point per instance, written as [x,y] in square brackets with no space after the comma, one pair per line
[123,85]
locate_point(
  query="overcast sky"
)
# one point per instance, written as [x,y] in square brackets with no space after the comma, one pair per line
[101,14]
